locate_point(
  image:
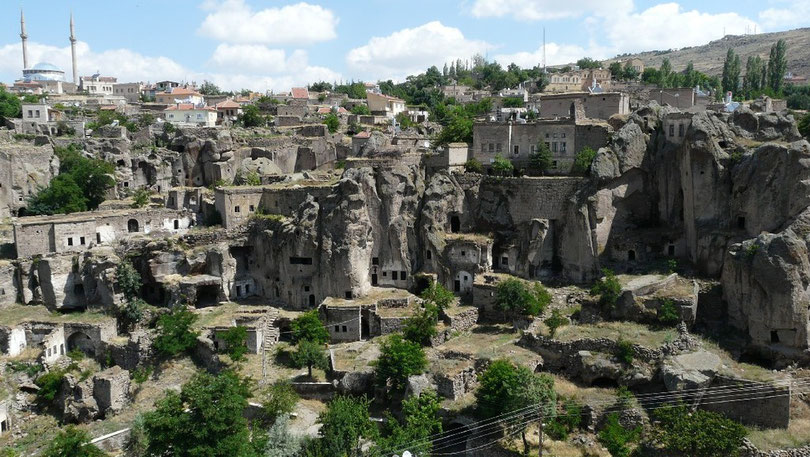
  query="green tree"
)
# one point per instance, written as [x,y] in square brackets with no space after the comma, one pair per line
[280,442]
[235,339]
[209,88]
[62,196]
[507,388]
[332,122]
[514,295]
[251,117]
[608,288]
[204,419]
[361,110]
[141,198]
[616,70]
[308,326]
[804,126]
[458,128]
[583,161]
[404,120]
[311,355]
[731,72]
[128,279]
[777,66]
[279,399]
[420,421]
[10,105]
[473,165]
[555,321]
[512,102]
[399,359]
[625,351]
[541,160]
[94,175]
[344,422]
[586,63]
[502,166]
[629,73]
[321,86]
[563,424]
[174,332]
[669,314]
[72,442]
[752,82]
[698,433]
[616,438]
[665,73]
[49,385]
[438,295]
[421,327]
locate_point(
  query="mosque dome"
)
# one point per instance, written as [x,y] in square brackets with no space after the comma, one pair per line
[43,71]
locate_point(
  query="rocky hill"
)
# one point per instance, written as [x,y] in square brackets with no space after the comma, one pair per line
[709,57]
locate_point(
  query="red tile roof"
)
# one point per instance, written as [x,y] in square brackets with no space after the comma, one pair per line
[362,135]
[300,92]
[188,107]
[227,104]
[183,91]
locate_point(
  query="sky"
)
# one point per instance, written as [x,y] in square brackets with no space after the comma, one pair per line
[274,45]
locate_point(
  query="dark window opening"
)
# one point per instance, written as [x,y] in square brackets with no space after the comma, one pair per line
[247,289]
[374,279]
[70,241]
[238,291]
[402,275]
[207,295]
[176,224]
[252,208]
[463,253]
[345,329]
[98,237]
[81,240]
[671,250]
[455,224]
[631,255]
[385,274]
[505,261]
[375,260]
[741,222]
[394,275]
[466,278]
[306,288]
[349,295]
[337,329]
[774,336]
[456,286]
[78,289]
[311,300]
[132,226]
[300,260]
[429,254]
[236,209]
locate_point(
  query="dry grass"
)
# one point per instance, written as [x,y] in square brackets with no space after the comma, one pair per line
[589,395]
[631,331]
[797,435]
[16,314]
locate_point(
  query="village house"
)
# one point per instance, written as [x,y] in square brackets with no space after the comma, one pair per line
[228,110]
[97,84]
[180,95]
[595,106]
[384,105]
[188,114]
[130,91]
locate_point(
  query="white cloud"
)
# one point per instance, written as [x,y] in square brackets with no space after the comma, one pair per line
[556,54]
[410,51]
[667,25]
[790,13]
[536,10]
[234,21]
[270,70]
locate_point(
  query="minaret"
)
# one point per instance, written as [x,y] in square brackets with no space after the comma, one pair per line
[73,52]
[24,37]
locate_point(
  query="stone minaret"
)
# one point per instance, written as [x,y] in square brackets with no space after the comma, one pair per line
[24,37]
[73,52]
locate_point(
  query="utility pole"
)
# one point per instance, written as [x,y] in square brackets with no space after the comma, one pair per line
[540,425]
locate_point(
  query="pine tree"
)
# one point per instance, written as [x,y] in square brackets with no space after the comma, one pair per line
[777,66]
[731,72]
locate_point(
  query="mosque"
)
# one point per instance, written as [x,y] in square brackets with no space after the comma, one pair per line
[43,74]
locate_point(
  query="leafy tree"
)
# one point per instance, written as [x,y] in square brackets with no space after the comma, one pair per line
[513,102]
[72,442]
[438,295]
[128,279]
[205,418]
[280,442]
[608,288]
[10,105]
[209,88]
[804,126]
[399,359]
[698,433]
[458,128]
[540,161]
[361,110]
[506,388]
[146,119]
[421,327]
[310,354]
[625,351]
[404,120]
[586,63]
[308,326]
[513,295]
[344,422]
[731,72]
[420,422]
[616,70]
[629,73]
[669,314]
[321,86]
[583,161]
[616,438]
[777,66]
[49,385]
[235,339]
[473,165]
[279,399]
[752,81]
[502,166]
[332,122]
[251,117]
[62,196]
[355,90]
[174,333]
[555,321]
[169,128]
[141,198]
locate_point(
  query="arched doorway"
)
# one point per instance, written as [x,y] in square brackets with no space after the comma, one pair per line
[132,226]
[82,342]
[312,300]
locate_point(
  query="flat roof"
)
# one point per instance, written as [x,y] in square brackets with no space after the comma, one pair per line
[84,216]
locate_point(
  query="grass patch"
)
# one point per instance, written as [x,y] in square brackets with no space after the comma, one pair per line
[797,435]
[631,331]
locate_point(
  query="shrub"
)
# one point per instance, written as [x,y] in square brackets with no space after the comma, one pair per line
[235,339]
[308,326]
[421,327]
[72,442]
[332,122]
[669,314]
[583,161]
[399,359]
[608,288]
[141,198]
[49,385]
[141,374]
[438,295]
[698,433]
[624,351]
[502,166]
[616,438]
[360,110]
[168,127]
[473,165]
[563,424]
[76,355]
[279,399]
[751,250]
[541,160]
[128,279]
[311,355]
[804,126]
[174,333]
[513,295]
[556,321]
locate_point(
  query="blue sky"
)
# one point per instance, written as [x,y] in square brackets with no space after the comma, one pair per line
[264,44]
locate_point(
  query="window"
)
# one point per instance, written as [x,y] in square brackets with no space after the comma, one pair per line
[554,164]
[126,183]
[555,135]
[680,129]
[516,149]
[463,253]
[562,146]
[345,329]
[300,260]
[548,145]
[30,113]
[483,147]
[176,224]
[375,260]
[491,147]
[306,288]
[236,209]
[70,241]
[505,261]
[349,295]
[498,147]
[81,240]
[547,135]
[402,275]
[394,275]
[37,113]
[554,147]
[672,130]
[251,209]
[562,135]
[429,255]
[337,329]
[98,237]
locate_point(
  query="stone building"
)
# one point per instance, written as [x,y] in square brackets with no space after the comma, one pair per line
[130,91]
[595,106]
[381,312]
[24,169]
[189,114]
[97,84]
[78,232]
[678,97]
[237,204]
[516,142]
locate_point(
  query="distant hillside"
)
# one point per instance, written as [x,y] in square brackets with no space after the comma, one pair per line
[709,57]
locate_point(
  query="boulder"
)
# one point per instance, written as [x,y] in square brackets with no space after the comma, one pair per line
[694,370]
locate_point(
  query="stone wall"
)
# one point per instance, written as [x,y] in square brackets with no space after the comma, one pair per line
[751,403]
